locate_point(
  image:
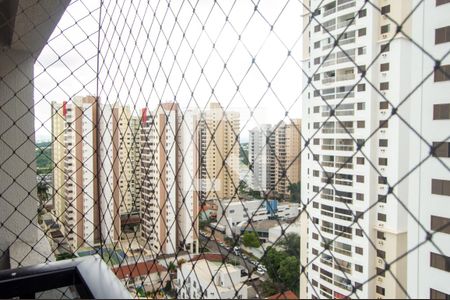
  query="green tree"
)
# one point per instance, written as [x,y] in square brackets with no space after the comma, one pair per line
[251,239]
[291,243]
[42,192]
[289,273]
[269,288]
[295,189]
[243,153]
[272,261]
[242,186]
[171,267]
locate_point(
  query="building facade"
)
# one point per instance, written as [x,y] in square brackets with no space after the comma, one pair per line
[210,279]
[58,158]
[261,156]
[82,209]
[219,149]
[353,210]
[169,207]
[429,199]
[287,159]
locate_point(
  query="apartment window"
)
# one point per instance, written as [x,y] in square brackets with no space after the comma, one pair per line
[316,77]
[362,13]
[317,28]
[382,198]
[359,197]
[359,215]
[381,235]
[385,48]
[384,67]
[361,87]
[362,32]
[384,124]
[442,35]
[384,105]
[440,187]
[384,86]
[361,124]
[441,149]
[440,224]
[359,232]
[315,251]
[440,262]
[435,294]
[360,160]
[317,60]
[382,161]
[361,50]
[385,28]
[359,268]
[316,93]
[383,143]
[441,111]
[315,205]
[380,290]
[315,283]
[360,106]
[385,9]
[315,267]
[381,272]
[360,178]
[381,254]
[316,45]
[381,217]
[359,250]
[442,74]
[316,125]
[361,69]
[316,173]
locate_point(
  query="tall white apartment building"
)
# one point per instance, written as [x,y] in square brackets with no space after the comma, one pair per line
[219,134]
[350,97]
[84,197]
[169,206]
[429,199]
[261,155]
[82,210]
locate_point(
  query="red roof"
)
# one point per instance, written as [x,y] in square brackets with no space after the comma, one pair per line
[139,269]
[284,295]
[209,256]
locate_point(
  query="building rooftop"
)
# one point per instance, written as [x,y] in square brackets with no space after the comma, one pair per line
[138,269]
[284,295]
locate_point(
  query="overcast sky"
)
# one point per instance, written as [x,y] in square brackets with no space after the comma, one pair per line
[138,44]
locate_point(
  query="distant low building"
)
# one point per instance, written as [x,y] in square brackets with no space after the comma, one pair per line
[149,275]
[232,214]
[209,278]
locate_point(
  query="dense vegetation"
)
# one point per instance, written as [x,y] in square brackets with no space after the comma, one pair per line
[44,162]
[250,239]
[283,266]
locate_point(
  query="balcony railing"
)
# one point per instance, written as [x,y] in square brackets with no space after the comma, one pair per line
[88,277]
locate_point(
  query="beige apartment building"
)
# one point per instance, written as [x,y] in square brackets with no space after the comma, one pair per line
[58,158]
[287,155]
[219,137]
[169,188]
[82,209]
[82,159]
[120,167]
